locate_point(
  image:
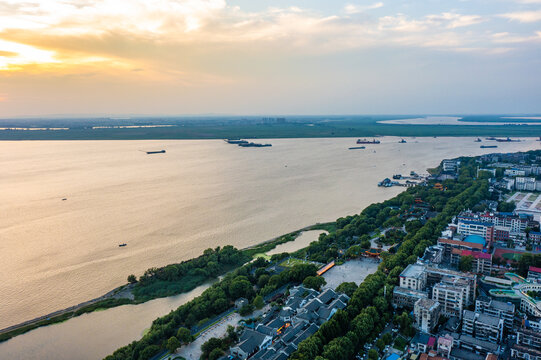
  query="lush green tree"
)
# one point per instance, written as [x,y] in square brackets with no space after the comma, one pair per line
[216,354]
[373,354]
[347,288]
[258,302]
[184,335]
[505,206]
[246,309]
[466,263]
[132,279]
[173,344]
[380,344]
[240,288]
[314,282]
[387,338]
[263,280]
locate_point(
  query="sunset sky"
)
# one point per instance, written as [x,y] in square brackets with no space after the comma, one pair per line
[269,57]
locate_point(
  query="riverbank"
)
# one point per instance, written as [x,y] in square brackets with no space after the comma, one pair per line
[291,127]
[123,295]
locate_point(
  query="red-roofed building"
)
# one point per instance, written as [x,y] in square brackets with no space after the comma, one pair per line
[481,264]
[449,244]
[534,274]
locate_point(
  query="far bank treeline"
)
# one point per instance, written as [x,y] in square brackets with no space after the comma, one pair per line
[369,308]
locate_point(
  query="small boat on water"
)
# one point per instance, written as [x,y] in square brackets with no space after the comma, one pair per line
[357,147]
[402,141]
[488,146]
[156,152]
[477,140]
[64,199]
[364,141]
[122,245]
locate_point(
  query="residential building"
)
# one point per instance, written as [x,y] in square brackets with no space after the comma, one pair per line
[525,183]
[450,165]
[535,238]
[406,298]
[482,326]
[413,277]
[514,172]
[427,314]
[500,309]
[534,274]
[433,254]
[436,275]
[451,298]
[445,344]
[479,228]
[450,244]
[528,345]
[481,264]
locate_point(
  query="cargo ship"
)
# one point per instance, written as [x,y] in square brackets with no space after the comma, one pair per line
[508,139]
[357,147]
[364,141]
[488,146]
[251,144]
[156,152]
[236,141]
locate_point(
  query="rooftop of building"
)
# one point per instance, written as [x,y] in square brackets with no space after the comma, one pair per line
[415,271]
[460,243]
[487,345]
[476,239]
[476,222]
[534,269]
[476,254]
[409,292]
[426,303]
[443,271]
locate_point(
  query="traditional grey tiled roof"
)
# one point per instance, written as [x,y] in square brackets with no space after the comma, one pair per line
[324,312]
[276,323]
[251,340]
[292,331]
[285,312]
[307,315]
[327,295]
[306,333]
[313,305]
[337,304]
[265,330]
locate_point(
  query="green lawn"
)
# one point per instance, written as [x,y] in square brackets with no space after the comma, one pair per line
[262,255]
[293,261]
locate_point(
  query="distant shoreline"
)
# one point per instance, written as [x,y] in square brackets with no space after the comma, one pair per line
[257,128]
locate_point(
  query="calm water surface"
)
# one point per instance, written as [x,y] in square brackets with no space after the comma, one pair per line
[168,208]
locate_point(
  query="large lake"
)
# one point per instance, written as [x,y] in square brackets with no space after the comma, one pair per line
[170,207]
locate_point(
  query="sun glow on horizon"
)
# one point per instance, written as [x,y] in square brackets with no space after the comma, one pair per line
[316,50]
